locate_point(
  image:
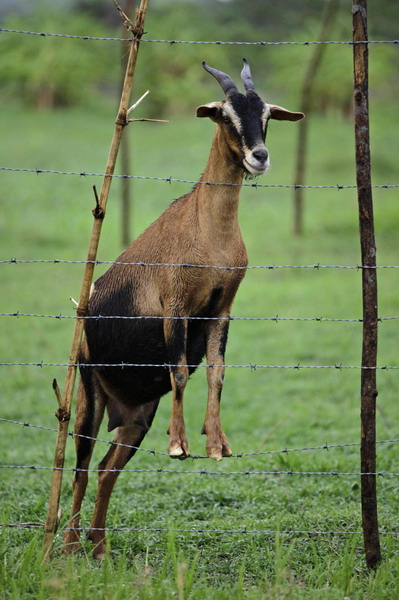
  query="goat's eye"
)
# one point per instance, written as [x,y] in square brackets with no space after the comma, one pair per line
[225,119]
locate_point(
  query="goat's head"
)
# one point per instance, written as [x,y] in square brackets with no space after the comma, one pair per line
[243,120]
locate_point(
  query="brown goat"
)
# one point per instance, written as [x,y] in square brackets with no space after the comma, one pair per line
[200,228]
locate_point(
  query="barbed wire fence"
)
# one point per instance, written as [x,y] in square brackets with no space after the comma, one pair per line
[206,473]
[362,268]
[171,179]
[200,42]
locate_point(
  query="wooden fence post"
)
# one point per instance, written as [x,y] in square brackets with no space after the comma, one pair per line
[369,282]
[64,411]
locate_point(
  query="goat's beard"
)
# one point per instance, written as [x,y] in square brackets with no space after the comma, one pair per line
[249,176]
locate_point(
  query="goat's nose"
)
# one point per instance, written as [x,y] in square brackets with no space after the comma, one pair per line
[260,154]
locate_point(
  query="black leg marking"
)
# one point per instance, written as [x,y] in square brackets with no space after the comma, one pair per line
[84,446]
[176,342]
[223,338]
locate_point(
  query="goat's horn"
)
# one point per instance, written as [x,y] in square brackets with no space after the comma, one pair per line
[228,85]
[246,77]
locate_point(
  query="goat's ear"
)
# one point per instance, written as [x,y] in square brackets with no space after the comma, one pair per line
[210,110]
[282,114]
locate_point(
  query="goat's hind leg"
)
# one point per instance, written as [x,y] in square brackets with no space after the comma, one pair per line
[131,434]
[89,414]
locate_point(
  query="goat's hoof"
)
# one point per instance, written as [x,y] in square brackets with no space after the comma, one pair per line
[176,450]
[219,451]
[71,542]
[214,453]
[226,451]
[99,552]
[99,542]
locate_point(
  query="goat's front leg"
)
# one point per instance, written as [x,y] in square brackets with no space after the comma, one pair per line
[175,332]
[217,445]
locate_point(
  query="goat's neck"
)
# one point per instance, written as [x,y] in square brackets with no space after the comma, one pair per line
[218,204]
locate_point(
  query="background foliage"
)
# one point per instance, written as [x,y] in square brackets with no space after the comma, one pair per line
[56,73]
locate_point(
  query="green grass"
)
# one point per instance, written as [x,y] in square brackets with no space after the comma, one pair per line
[48,216]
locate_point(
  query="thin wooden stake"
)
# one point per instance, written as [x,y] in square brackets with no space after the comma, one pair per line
[99,212]
[369,281]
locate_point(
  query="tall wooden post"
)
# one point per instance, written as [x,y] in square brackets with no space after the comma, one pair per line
[369,281]
[65,400]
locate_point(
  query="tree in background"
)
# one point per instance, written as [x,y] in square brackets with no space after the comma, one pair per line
[52,71]
[333,86]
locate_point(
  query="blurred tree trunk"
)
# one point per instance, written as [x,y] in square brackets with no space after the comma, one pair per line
[126,188]
[126,184]
[327,23]
[45,97]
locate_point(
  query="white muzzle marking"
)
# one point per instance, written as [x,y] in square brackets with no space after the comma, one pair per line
[257,161]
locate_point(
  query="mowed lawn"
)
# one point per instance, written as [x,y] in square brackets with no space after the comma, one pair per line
[48,216]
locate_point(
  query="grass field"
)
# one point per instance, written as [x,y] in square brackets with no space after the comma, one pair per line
[48,216]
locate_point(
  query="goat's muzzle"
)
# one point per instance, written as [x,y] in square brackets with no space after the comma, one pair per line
[256,161]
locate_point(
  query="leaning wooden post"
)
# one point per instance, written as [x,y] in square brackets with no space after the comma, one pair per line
[63,413]
[369,281]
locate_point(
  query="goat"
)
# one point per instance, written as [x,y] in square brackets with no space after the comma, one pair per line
[200,228]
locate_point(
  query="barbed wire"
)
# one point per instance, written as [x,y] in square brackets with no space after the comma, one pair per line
[196,182]
[196,457]
[203,471]
[202,530]
[252,366]
[208,42]
[314,266]
[275,319]
[88,437]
